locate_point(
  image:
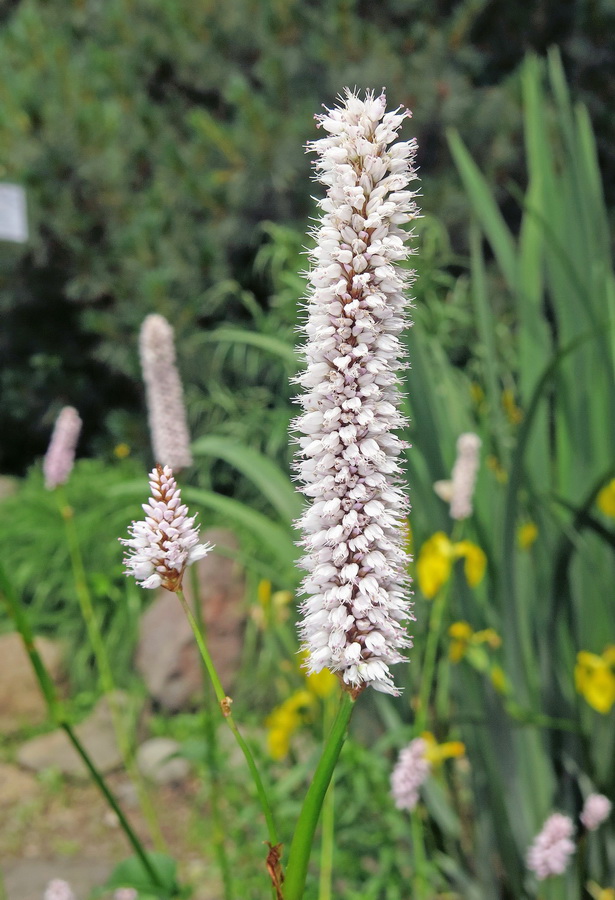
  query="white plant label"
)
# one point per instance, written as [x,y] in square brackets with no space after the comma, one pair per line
[13,213]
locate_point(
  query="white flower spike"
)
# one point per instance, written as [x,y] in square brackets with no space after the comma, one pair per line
[167,541]
[357,606]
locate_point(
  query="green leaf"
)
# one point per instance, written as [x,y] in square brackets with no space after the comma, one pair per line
[265,474]
[132,873]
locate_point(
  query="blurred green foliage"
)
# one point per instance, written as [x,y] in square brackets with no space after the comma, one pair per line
[154,138]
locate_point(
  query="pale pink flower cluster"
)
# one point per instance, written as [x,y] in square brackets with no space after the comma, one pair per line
[167,540]
[596,810]
[125,894]
[411,770]
[552,848]
[60,457]
[164,394]
[463,478]
[58,889]
[357,606]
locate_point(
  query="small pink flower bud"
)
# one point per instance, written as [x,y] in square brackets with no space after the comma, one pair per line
[58,890]
[60,457]
[596,810]
[463,478]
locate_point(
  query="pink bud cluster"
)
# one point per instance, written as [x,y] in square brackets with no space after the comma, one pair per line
[355,614]
[60,457]
[552,847]
[167,541]
[164,394]
[411,770]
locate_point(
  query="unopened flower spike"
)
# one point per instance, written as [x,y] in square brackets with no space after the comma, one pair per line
[60,457]
[164,394]
[552,847]
[167,541]
[459,491]
[357,587]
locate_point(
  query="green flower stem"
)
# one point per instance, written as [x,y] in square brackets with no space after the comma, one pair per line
[58,716]
[429,660]
[104,667]
[100,782]
[212,754]
[224,703]
[296,871]
[327,845]
[421,884]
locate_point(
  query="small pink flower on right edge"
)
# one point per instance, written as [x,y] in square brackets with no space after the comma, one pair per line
[596,810]
[552,847]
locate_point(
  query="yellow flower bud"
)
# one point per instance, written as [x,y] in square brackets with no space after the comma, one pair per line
[606,499]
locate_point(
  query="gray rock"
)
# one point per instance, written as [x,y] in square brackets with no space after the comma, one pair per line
[97,734]
[154,763]
[167,656]
[21,700]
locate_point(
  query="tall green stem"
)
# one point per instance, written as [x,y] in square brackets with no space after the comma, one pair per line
[327,841]
[296,871]
[212,754]
[225,708]
[429,660]
[104,668]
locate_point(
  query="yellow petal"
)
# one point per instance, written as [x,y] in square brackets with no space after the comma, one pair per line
[263,593]
[488,636]
[606,499]
[526,535]
[460,634]
[599,690]
[433,567]
[608,655]
[475,561]
[322,683]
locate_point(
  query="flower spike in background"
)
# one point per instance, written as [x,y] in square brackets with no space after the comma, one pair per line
[164,394]
[167,541]
[459,491]
[60,457]
[357,606]
[58,889]
[552,847]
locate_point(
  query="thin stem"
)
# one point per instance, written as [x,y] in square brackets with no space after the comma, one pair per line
[127,828]
[104,668]
[58,716]
[420,857]
[225,709]
[212,754]
[429,661]
[296,871]
[327,841]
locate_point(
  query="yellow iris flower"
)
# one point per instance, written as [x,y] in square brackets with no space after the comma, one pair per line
[435,563]
[526,535]
[285,720]
[436,753]
[595,680]
[606,499]
[462,636]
